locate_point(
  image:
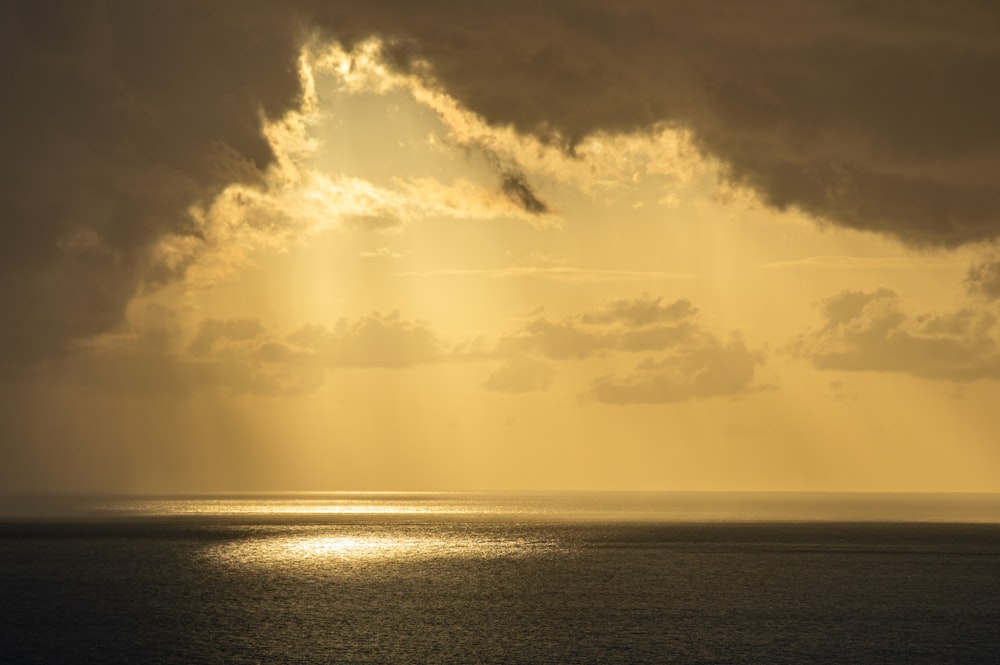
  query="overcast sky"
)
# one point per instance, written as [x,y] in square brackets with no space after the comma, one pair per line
[254,246]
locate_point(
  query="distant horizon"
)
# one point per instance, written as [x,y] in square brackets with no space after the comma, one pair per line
[542,491]
[628,506]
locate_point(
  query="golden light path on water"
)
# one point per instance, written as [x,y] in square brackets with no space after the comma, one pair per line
[327,547]
[344,530]
[327,530]
[338,531]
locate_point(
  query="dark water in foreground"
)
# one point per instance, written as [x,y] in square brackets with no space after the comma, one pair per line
[480,579]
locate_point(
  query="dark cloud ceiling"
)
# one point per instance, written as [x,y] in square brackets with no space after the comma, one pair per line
[120,115]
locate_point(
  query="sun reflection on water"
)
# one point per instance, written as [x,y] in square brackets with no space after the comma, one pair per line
[324,547]
[344,547]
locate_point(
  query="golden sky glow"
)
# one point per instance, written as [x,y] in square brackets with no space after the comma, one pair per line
[413,298]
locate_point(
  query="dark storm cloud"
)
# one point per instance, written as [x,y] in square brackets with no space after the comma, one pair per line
[118,116]
[877,116]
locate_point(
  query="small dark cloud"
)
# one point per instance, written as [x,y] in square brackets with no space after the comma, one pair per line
[515,185]
[849,305]
[983,279]
[513,181]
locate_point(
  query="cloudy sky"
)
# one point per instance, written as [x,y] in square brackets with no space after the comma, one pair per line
[259,246]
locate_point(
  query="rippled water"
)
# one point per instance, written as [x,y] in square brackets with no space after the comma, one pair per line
[392,578]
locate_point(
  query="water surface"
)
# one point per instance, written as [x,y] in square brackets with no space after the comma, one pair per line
[479,578]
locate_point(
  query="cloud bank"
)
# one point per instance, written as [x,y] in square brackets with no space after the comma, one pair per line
[156,356]
[870,331]
[121,116]
[708,368]
[689,362]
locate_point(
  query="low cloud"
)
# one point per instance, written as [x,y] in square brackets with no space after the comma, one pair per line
[707,368]
[375,340]
[642,324]
[159,355]
[641,311]
[690,362]
[243,356]
[870,331]
[559,340]
[521,374]
[213,331]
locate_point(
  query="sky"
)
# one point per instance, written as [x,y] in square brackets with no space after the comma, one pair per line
[587,245]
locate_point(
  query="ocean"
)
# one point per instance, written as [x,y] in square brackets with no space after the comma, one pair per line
[501,578]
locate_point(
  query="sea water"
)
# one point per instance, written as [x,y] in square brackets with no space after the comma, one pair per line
[501,578]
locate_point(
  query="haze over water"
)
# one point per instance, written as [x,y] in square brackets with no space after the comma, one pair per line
[500,578]
[593,506]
